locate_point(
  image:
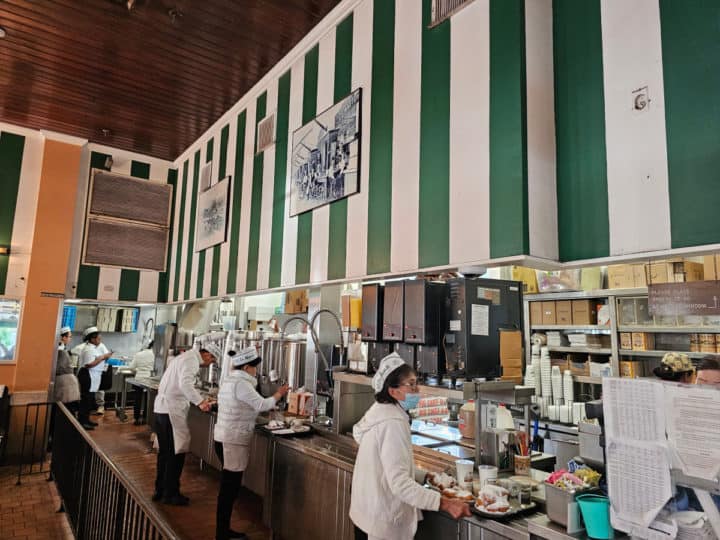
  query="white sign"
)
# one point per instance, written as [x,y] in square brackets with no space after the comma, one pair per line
[480,320]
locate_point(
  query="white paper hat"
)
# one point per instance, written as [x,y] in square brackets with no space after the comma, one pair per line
[90,330]
[65,330]
[245,356]
[387,365]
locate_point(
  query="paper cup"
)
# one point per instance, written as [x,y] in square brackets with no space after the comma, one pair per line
[522,465]
[487,473]
[464,473]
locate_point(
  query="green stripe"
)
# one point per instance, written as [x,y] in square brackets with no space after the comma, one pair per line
[222,172]
[191,230]
[237,186]
[304,234]
[11,155]
[434,210]
[89,276]
[691,73]
[130,279]
[181,227]
[281,152]
[256,202]
[337,239]
[583,225]
[163,283]
[509,231]
[381,133]
[201,258]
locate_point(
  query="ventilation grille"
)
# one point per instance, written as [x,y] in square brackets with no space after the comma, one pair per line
[266,133]
[444,9]
[127,245]
[125,197]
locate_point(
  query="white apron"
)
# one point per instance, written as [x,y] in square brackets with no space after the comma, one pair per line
[179,421]
[235,457]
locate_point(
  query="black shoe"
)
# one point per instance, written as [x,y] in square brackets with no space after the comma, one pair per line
[138,422]
[176,500]
[157,496]
[93,424]
[88,427]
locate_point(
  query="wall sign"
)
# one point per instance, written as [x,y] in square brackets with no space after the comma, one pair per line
[696,298]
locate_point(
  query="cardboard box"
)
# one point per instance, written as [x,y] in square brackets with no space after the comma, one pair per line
[512,372]
[711,267]
[511,350]
[528,278]
[296,302]
[643,341]
[563,312]
[673,271]
[621,276]
[584,312]
[631,368]
[579,368]
[536,313]
[299,403]
[562,363]
[516,380]
[548,313]
[639,278]
[626,340]
[600,369]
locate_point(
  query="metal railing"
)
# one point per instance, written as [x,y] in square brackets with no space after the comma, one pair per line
[34,439]
[100,501]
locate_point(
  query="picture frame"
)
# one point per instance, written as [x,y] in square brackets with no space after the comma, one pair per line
[212,215]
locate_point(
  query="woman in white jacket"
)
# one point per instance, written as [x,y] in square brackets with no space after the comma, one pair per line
[386,493]
[238,407]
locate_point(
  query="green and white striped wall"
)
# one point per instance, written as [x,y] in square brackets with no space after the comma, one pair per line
[633,182]
[113,284]
[457,151]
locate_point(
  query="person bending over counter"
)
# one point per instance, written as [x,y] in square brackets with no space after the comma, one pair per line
[238,407]
[143,363]
[386,493]
[175,393]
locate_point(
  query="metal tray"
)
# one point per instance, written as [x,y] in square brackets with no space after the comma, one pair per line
[286,432]
[515,510]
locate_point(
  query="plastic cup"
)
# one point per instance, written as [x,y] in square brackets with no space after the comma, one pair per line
[487,473]
[464,473]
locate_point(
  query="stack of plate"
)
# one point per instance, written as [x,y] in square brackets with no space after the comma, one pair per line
[545,373]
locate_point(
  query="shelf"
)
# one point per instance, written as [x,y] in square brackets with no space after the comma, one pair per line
[587,379]
[575,328]
[584,350]
[570,295]
[695,355]
[671,329]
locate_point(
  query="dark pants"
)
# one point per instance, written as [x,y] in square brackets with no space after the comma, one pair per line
[72,406]
[87,404]
[139,406]
[360,534]
[230,483]
[169,464]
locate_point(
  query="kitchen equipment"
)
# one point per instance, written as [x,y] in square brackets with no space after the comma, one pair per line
[424,311]
[393,311]
[293,369]
[377,350]
[406,352]
[430,361]
[591,450]
[372,312]
[561,507]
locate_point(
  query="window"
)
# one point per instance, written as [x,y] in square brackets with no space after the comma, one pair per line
[9,320]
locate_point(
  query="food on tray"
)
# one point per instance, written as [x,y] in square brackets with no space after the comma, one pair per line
[275,424]
[458,493]
[493,499]
[441,480]
[500,506]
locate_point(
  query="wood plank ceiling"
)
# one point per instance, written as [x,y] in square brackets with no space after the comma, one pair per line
[150,79]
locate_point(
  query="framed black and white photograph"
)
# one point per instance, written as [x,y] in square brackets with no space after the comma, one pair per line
[212,215]
[325,159]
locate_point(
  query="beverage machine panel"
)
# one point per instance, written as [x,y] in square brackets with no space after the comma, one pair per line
[425,316]
[376,351]
[479,308]
[393,311]
[372,312]
[406,351]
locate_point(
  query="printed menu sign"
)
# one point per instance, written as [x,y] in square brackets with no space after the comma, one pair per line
[696,298]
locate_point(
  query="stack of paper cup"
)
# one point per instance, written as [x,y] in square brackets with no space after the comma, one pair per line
[545,373]
[556,380]
[568,387]
[578,412]
[487,472]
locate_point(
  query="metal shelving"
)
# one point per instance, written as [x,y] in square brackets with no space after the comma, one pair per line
[583,350]
[671,329]
[587,379]
[601,329]
[695,355]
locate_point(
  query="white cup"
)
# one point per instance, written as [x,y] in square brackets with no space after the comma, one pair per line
[565,414]
[553,412]
[464,473]
[487,472]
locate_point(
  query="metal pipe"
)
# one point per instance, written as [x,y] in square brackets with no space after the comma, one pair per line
[339,324]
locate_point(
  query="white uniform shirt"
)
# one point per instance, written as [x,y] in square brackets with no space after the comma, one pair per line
[143,363]
[178,383]
[238,407]
[89,354]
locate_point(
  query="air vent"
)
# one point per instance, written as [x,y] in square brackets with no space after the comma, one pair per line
[125,245]
[444,9]
[266,133]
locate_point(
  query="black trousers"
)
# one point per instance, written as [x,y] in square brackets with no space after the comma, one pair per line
[139,408]
[87,404]
[360,534]
[230,483]
[169,464]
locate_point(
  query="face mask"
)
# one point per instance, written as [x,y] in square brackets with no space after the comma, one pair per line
[410,402]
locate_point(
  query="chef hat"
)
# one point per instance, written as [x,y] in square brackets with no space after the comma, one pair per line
[65,330]
[245,356]
[90,330]
[387,365]
[213,348]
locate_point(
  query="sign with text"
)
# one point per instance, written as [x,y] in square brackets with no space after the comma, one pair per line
[695,298]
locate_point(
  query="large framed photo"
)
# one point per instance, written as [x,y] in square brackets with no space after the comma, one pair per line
[325,159]
[212,215]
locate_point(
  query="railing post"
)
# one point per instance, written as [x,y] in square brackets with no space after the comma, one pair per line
[22,449]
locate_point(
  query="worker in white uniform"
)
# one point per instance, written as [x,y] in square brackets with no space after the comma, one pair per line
[143,363]
[92,364]
[387,495]
[238,407]
[175,394]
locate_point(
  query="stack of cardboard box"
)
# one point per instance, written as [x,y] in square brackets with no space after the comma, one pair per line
[511,357]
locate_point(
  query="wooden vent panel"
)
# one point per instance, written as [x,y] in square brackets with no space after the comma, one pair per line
[124,197]
[125,245]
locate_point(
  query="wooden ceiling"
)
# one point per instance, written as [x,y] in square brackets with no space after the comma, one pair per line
[150,79]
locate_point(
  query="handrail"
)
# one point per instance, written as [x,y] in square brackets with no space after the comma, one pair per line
[155,517]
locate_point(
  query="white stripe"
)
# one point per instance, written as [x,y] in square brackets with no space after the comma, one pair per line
[542,185]
[357,214]
[297,80]
[195,274]
[25,213]
[173,247]
[210,252]
[321,216]
[637,170]
[246,198]
[187,165]
[266,206]
[187,248]
[470,134]
[406,137]
[229,170]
